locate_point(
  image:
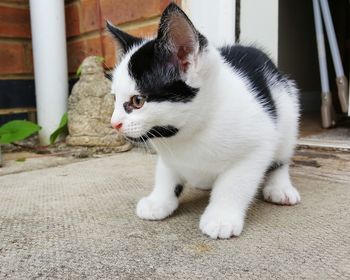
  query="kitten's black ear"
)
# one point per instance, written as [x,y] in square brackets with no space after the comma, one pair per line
[124,40]
[178,35]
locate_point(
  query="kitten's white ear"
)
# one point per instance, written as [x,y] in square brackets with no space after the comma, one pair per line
[177,34]
[124,40]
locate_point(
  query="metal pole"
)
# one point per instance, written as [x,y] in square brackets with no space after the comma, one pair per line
[326,108]
[341,80]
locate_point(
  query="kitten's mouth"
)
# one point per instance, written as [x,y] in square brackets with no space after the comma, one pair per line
[156,132]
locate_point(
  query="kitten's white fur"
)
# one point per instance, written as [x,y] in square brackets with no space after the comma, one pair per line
[226,142]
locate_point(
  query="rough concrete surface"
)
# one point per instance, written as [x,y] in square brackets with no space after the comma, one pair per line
[77,221]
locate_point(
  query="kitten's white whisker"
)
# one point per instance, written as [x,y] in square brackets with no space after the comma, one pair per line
[107,67]
[162,143]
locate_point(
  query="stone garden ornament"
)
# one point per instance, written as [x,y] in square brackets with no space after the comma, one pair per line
[90,107]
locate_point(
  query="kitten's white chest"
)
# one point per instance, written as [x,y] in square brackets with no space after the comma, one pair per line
[194,167]
[197,179]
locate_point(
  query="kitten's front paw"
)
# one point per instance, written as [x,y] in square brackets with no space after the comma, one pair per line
[221,224]
[281,195]
[149,208]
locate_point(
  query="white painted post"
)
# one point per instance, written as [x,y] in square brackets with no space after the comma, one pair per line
[214,19]
[259,25]
[50,63]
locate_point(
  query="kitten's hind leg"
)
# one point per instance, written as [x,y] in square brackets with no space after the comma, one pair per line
[278,187]
[163,200]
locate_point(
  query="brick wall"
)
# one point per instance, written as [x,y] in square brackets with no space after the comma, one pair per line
[85,24]
[86,35]
[15,43]
[85,21]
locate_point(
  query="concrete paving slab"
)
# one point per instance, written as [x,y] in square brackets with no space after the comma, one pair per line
[77,221]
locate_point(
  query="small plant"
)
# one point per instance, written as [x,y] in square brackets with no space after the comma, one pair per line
[62,129]
[17,130]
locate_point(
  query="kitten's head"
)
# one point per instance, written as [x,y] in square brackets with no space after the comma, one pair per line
[156,81]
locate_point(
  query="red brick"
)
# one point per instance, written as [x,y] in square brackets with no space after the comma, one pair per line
[120,11]
[78,50]
[109,49]
[90,15]
[14,22]
[72,20]
[24,3]
[28,58]
[165,3]
[13,58]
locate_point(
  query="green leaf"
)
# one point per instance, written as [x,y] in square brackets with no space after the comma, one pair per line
[2,131]
[16,131]
[78,73]
[21,159]
[62,128]
[100,59]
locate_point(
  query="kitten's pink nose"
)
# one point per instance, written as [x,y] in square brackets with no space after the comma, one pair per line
[117,126]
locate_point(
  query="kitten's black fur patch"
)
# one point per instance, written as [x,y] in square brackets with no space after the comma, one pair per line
[156,132]
[157,75]
[178,190]
[275,165]
[254,64]
[127,108]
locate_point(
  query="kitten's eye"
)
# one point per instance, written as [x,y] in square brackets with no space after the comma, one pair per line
[137,101]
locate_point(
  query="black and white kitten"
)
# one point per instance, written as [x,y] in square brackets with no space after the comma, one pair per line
[218,118]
